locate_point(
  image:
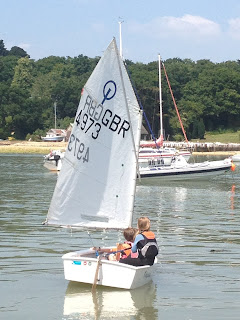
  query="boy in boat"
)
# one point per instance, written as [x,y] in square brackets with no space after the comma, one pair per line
[145,244]
[124,249]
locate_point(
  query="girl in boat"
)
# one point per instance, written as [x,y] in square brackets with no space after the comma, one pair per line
[145,244]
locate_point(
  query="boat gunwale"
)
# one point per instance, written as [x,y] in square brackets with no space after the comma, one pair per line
[72,256]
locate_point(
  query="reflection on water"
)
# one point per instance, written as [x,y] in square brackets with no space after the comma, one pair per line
[232,196]
[197,227]
[108,303]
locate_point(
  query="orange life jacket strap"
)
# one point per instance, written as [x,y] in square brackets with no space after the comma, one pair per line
[148,234]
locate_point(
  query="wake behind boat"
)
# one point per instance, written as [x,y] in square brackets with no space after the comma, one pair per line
[181,170]
[96,185]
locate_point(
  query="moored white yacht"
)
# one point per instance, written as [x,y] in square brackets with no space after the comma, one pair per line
[181,170]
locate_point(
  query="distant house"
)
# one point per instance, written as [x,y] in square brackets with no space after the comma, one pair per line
[55,135]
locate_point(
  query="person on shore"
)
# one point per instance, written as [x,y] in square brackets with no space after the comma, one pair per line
[145,244]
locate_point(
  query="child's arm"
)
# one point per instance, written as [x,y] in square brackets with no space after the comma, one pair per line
[104,249]
[138,238]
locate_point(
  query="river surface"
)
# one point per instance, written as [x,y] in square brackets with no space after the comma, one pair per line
[198,230]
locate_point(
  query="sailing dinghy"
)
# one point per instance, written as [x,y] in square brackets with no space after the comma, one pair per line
[97,181]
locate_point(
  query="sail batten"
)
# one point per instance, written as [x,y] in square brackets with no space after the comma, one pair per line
[96,185]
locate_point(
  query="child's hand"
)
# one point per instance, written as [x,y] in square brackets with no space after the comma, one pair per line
[96,248]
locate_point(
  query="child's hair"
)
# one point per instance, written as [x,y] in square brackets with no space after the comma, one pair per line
[143,224]
[130,234]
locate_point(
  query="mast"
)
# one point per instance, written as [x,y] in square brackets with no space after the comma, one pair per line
[55,114]
[160,96]
[120,38]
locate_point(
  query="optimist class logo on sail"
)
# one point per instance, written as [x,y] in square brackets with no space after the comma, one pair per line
[94,116]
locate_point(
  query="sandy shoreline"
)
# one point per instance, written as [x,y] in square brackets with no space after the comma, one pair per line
[46,147]
[30,147]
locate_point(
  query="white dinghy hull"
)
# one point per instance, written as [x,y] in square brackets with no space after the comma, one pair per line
[81,266]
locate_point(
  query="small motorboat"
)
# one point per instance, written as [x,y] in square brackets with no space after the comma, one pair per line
[236,157]
[53,160]
[180,169]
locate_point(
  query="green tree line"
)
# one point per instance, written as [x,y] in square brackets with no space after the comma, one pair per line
[207,94]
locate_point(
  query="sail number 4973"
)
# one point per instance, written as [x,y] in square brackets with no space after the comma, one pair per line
[87,123]
[78,148]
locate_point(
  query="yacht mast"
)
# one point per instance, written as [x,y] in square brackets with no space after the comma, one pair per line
[160,96]
[55,114]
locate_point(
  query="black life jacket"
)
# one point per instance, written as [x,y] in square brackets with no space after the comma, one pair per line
[148,248]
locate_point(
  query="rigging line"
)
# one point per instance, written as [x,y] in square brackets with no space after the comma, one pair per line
[91,238]
[175,105]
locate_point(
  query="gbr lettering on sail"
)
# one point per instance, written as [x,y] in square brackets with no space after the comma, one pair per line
[92,118]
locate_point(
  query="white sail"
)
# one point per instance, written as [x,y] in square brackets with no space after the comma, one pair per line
[96,185]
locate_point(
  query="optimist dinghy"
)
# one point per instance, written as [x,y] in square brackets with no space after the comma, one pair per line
[97,181]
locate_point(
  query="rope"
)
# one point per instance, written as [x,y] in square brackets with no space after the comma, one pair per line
[175,105]
[91,238]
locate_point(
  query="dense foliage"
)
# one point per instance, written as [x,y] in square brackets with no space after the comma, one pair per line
[207,94]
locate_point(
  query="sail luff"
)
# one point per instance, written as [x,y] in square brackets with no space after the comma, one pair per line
[131,131]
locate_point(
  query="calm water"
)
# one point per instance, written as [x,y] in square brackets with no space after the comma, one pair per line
[198,230]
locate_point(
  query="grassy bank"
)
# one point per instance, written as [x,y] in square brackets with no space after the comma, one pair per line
[225,137]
